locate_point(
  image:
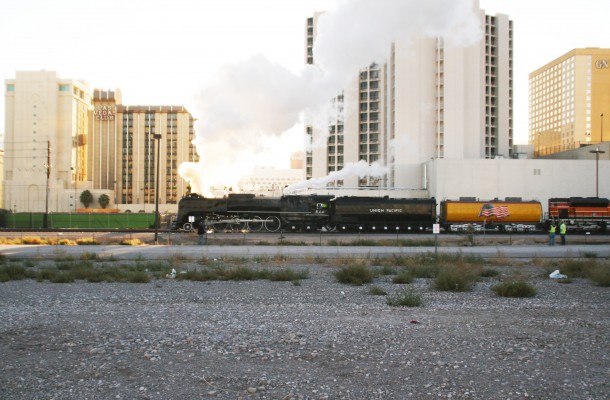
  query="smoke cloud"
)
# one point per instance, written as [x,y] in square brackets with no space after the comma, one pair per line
[253,104]
[361,168]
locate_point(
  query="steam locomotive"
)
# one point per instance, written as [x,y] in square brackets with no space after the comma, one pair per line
[303,213]
[313,213]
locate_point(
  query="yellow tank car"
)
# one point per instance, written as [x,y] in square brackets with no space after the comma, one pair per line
[504,215]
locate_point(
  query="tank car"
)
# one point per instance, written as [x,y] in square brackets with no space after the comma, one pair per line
[475,215]
[382,214]
[581,213]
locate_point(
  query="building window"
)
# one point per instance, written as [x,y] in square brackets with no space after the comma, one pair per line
[10,87]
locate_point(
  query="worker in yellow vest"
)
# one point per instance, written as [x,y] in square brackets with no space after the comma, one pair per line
[552,229]
[562,232]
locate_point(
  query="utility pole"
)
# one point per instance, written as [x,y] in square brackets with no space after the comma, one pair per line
[157,138]
[45,222]
[597,152]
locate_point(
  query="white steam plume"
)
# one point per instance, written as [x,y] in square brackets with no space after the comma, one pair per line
[360,32]
[254,103]
[248,109]
[360,168]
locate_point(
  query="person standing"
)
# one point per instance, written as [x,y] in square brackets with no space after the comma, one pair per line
[552,230]
[201,233]
[562,232]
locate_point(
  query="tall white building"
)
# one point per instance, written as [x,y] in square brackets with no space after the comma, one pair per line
[425,101]
[46,128]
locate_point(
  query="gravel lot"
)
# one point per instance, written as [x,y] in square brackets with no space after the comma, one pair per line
[320,340]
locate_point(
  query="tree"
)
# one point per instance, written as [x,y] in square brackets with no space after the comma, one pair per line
[104,200]
[86,198]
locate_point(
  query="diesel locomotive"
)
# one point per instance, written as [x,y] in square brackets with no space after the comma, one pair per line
[581,213]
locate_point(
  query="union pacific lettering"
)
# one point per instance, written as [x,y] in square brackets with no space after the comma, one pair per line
[385,210]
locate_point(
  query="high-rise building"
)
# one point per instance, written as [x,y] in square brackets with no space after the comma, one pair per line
[61,140]
[123,150]
[568,98]
[427,100]
[2,182]
[46,124]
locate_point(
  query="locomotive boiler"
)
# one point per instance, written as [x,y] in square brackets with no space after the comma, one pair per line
[247,212]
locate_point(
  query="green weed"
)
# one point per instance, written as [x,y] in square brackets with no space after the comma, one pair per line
[514,288]
[406,298]
[354,274]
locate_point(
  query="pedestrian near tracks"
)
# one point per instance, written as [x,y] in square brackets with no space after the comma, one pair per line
[201,232]
[552,229]
[562,232]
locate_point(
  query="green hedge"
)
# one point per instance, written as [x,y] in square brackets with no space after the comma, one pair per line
[87,221]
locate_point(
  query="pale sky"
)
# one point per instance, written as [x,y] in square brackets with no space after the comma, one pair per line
[167,52]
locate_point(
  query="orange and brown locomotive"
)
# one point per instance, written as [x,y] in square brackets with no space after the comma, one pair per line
[581,213]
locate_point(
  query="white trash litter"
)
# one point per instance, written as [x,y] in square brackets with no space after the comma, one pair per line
[556,275]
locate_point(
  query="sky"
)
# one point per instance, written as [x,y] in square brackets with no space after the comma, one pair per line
[248,55]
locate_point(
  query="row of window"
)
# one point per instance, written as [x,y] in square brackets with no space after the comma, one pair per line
[369,74]
[372,85]
[369,96]
[373,106]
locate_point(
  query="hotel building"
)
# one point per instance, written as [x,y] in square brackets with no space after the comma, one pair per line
[123,153]
[61,139]
[427,100]
[568,98]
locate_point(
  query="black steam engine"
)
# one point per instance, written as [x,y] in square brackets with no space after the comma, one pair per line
[302,213]
[245,211]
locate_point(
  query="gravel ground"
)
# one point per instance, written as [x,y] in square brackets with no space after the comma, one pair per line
[320,340]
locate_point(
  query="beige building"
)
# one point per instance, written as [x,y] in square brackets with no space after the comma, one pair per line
[62,139]
[46,124]
[2,182]
[123,152]
[426,101]
[568,98]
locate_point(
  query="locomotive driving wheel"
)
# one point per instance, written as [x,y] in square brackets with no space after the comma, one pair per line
[272,224]
[220,227]
[256,225]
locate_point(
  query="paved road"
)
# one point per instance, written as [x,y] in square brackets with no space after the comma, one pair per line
[194,252]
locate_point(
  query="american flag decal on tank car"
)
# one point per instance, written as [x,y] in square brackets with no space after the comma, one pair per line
[489,210]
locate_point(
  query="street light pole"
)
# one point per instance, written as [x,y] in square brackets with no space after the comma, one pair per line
[45,222]
[157,138]
[597,152]
[601,128]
